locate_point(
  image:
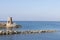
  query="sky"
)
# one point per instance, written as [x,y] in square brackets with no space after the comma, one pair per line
[30,10]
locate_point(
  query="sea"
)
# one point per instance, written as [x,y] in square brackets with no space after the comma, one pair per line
[35,25]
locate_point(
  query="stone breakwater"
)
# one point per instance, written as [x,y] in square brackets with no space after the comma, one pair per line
[24,32]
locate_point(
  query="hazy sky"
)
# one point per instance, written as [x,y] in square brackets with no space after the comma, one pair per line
[30,10]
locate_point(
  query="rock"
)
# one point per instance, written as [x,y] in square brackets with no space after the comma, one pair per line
[9,32]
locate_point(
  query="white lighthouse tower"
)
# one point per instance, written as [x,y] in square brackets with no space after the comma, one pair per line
[9,22]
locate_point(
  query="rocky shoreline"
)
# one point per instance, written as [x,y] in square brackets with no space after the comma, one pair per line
[10,32]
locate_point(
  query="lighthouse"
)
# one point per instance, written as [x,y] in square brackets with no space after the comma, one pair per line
[9,22]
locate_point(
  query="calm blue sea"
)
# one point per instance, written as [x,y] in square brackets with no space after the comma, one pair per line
[35,25]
